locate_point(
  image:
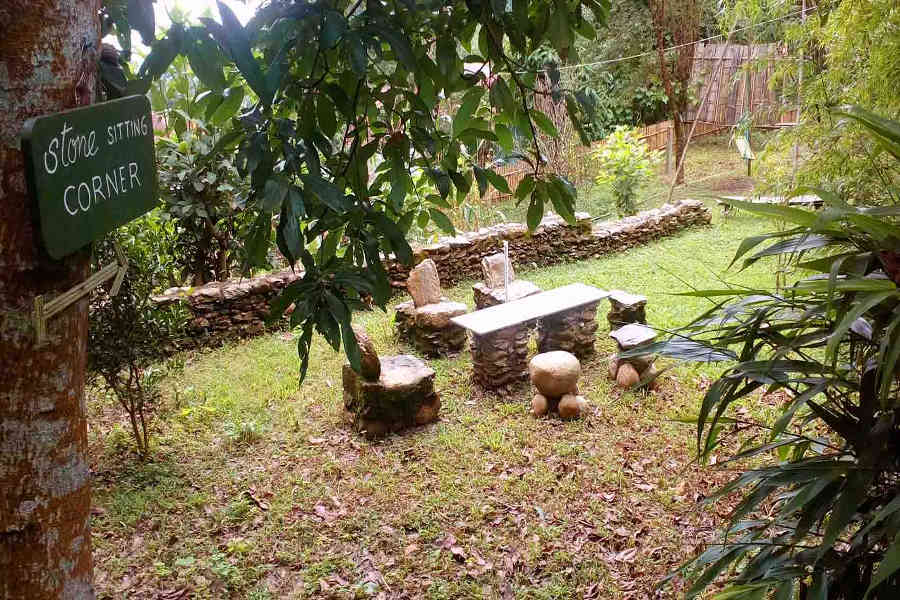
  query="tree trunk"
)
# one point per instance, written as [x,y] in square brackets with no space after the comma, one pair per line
[681,133]
[45,540]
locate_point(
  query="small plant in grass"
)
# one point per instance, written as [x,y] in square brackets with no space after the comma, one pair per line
[624,162]
[127,338]
[820,515]
[244,433]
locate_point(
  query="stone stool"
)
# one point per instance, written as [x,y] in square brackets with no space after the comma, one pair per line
[555,376]
[390,394]
[625,308]
[629,371]
[425,320]
[500,358]
[492,291]
[574,331]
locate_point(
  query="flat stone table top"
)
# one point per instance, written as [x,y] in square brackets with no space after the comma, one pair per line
[495,318]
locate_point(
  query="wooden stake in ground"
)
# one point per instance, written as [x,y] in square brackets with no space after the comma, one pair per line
[45,540]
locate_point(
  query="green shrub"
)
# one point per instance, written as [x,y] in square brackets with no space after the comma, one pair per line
[624,163]
[820,515]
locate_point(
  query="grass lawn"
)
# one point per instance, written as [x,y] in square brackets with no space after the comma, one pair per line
[256,490]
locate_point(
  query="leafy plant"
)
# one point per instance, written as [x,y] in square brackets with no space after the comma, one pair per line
[337,88]
[128,336]
[624,162]
[820,514]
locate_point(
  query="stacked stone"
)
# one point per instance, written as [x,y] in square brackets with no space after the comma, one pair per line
[434,334]
[574,331]
[389,394]
[425,320]
[494,289]
[627,372]
[625,308]
[555,376]
[405,321]
[500,358]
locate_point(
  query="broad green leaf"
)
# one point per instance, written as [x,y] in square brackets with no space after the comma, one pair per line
[333,27]
[229,107]
[442,221]
[544,122]
[207,63]
[466,110]
[536,207]
[498,181]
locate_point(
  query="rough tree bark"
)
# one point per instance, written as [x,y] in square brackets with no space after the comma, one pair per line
[45,540]
[677,23]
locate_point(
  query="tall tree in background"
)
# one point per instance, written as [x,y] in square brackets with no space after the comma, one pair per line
[676,24]
[45,541]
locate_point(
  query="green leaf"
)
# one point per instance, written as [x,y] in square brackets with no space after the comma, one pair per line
[326,191]
[207,63]
[467,108]
[562,194]
[481,178]
[525,187]
[860,307]
[234,39]
[501,98]
[229,107]
[274,194]
[498,181]
[792,215]
[544,122]
[504,137]
[442,221]
[325,114]
[333,27]
[536,207]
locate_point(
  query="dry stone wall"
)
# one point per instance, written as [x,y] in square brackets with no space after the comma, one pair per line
[232,309]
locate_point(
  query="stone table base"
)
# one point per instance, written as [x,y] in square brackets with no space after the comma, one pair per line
[403,396]
[574,331]
[500,359]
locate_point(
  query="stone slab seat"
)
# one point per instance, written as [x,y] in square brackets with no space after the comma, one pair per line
[403,396]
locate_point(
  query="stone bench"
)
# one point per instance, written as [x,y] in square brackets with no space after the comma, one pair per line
[566,318]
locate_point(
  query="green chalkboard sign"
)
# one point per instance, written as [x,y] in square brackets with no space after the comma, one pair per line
[90,170]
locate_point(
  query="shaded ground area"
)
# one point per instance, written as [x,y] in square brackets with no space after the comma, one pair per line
[256,490]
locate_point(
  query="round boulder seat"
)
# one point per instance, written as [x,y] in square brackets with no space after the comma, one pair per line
[555,373]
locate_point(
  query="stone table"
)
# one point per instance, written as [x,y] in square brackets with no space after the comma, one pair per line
[500,333]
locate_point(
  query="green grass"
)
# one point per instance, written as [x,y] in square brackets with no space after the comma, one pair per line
[257,490]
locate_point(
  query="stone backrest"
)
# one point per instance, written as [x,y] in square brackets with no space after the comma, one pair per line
[492,268]
[423,283]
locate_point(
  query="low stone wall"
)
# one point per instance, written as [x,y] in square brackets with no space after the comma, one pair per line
[553,242]
[238,308]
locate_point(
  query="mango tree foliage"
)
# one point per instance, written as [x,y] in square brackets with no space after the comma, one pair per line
[342,114]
